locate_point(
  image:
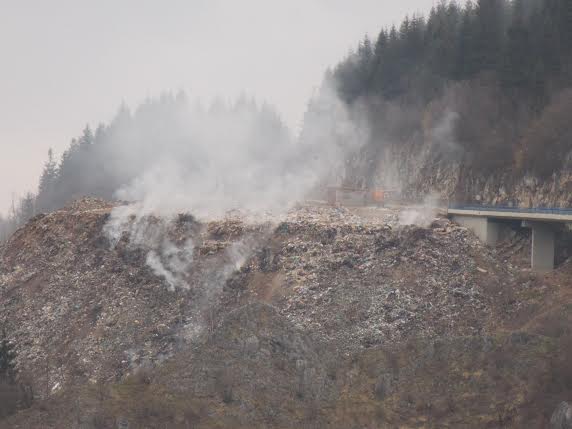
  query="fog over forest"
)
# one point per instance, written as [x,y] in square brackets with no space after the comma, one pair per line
[483,86]
[67,64]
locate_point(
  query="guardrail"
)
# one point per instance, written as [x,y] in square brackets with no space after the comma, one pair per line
[539,210]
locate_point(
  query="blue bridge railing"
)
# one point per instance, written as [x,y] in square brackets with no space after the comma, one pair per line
[539,210]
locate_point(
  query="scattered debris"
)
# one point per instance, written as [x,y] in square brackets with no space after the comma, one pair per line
[81,310]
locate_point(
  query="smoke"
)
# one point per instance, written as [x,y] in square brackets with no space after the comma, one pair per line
[442,135]
[416,163]
[233,156]
[167,259]
[207,162]
[171,262]
[422,215]
[441,144]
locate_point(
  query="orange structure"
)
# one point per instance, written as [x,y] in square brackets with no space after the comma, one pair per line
[378,197]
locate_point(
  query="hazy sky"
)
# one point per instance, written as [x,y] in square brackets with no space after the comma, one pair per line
[65,63]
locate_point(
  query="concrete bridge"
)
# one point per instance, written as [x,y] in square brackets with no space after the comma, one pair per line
[489,223]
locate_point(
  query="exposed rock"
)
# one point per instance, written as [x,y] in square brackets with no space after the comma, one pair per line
[419,172]
[562,417]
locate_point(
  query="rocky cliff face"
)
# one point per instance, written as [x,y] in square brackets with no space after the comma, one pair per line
[422,170]
[329,318]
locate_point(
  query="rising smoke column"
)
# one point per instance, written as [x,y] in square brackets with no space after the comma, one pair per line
[229,157]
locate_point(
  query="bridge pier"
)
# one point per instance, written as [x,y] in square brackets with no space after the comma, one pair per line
[542,254]
[542,221]
[487,231]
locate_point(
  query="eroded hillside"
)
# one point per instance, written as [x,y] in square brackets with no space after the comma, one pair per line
[325,317]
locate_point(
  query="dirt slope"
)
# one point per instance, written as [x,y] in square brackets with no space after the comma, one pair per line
[326,318]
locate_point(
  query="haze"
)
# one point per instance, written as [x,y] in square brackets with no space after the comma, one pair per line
[69,63]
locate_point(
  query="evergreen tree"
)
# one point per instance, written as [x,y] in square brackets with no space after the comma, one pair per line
[390,73]
[86,138]
[467,61]
[47,183]
[27,208]
[489,38]
[443,28]
[381,44]
[517,66]
[365,66]
[548,34]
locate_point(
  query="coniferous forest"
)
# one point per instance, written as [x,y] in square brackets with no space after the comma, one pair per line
[503,67]
[498,73]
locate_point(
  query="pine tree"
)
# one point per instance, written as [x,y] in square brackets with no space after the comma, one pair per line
[86,138]
[47,184]
[548,36]
[381,44]
[365,64]
[390,72]
[442,33]
[517,66]
[27,208]
[467,61]
[489,26]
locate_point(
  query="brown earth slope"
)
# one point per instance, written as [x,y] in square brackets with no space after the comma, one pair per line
[326,317]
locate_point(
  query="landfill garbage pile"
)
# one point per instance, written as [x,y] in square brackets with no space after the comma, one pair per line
[308,298]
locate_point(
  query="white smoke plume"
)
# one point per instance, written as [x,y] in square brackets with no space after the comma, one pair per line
[230,157]
[421,215]
[165,258]
[420,171]
[443,134]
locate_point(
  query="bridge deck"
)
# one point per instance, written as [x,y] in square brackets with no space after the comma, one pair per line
[538,214]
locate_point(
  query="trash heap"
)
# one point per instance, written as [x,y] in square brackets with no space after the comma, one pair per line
[81,309]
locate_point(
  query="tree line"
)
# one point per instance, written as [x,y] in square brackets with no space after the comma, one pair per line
[526,44]
[99,162]
[501,69]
